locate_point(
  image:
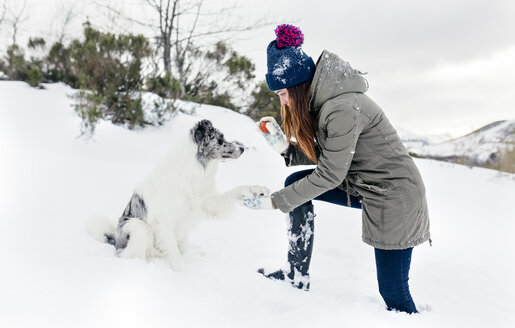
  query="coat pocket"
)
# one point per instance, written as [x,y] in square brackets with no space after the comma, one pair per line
[371,185]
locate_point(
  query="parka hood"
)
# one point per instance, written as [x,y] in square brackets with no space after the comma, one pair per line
[334,77]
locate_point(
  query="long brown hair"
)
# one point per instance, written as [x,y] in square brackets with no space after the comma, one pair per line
[297,120]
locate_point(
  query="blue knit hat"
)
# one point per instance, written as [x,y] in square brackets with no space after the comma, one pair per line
[288,65]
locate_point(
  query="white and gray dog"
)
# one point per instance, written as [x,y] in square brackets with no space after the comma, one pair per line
[174,197]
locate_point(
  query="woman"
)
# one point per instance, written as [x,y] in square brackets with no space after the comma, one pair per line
[360,162]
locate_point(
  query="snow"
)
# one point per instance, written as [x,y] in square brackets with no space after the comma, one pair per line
[53,274]
[282,66]
[479,146]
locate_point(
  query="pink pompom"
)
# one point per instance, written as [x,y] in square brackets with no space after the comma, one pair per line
[288,36]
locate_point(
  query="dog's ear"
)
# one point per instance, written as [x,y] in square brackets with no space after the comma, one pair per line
[201,130]
[201,133]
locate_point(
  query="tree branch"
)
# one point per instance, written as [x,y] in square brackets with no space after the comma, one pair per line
[68,17]
[4,10]
[193,27]
[17,19]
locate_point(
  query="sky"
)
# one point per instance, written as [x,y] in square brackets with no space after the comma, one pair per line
[439,66]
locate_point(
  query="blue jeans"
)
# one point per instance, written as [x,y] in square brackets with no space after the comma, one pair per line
[392,265]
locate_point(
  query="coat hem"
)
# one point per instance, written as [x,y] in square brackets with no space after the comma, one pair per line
[386,246]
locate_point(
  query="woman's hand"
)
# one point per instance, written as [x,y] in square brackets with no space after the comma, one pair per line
[256,197]
[276,138]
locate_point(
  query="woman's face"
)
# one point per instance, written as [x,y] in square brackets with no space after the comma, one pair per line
[284,97]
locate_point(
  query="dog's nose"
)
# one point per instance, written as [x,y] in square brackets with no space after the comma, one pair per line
[242,149]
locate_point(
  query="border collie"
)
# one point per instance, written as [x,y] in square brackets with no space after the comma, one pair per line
[174,197]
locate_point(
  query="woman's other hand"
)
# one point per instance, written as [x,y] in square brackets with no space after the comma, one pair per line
[275,138]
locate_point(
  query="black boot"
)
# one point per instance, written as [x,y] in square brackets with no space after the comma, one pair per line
[300,237]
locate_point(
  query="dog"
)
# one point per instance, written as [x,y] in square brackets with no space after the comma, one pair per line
[174,197]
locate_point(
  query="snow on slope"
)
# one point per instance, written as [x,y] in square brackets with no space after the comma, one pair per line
[479,147]
[53,274]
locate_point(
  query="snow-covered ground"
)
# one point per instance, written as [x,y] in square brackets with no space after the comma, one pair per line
[53,274]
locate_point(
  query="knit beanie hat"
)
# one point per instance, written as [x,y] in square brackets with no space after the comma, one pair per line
[288,65]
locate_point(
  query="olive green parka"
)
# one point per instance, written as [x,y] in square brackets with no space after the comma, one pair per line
[359,150]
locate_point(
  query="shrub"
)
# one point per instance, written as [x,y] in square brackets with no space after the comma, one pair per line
[34,76]
[109,68]
[88,106]
[60,66]
[164,86]
[16,66]
[221,77]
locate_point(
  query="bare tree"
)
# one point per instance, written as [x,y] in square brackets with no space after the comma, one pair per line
[108,16]
[168,16]
[17,18]
[181,29]
[3,11]
[180,35]
[67,12]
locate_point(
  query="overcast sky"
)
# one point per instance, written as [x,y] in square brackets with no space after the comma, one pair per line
[434,66]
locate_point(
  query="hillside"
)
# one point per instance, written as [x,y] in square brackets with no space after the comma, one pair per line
[492,146]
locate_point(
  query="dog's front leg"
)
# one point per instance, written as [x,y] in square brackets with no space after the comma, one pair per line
[174,258]
[219,205]
[169,248]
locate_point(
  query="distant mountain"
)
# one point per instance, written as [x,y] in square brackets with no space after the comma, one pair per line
[411,140]
[491,146]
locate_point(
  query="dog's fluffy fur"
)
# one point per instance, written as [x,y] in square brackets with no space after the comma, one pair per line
[174,197]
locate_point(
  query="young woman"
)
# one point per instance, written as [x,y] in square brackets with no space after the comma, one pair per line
[360,162]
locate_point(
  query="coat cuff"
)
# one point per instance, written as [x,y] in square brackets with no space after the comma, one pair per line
[273,203]
[280,202]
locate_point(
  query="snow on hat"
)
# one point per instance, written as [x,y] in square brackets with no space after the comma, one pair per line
[288,65]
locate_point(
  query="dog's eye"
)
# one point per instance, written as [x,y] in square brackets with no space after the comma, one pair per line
[220,142]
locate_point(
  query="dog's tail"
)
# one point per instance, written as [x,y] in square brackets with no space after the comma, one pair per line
[102,229]
[140,240]
[133,240]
